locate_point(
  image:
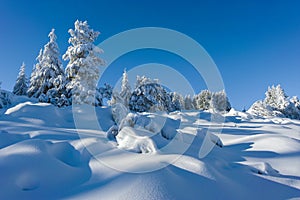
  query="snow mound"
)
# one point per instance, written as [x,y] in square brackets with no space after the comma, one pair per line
[40,166]
[170,127]
[22,108]
[144,132]
[136,140]
[7,139]
[264,168]
[42,114]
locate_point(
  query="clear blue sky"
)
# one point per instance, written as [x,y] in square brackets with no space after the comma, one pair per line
[253,43]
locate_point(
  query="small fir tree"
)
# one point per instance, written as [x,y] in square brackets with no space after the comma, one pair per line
[21,85]
[125,89]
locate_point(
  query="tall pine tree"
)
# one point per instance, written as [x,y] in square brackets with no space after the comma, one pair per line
[82,70]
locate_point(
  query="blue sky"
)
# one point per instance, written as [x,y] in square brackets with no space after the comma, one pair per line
[253,43]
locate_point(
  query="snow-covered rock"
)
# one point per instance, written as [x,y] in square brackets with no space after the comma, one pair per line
[137,140]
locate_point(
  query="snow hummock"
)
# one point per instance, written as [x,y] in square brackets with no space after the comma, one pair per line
[146,155]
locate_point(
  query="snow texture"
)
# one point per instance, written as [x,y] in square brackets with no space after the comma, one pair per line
[43,157]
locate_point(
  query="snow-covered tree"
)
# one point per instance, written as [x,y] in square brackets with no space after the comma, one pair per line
[125,89]
[292,110]
[102,93]
[177,101]
[149,95]
[115,99]
[188,103]
[276,98]
[5,98]
[143,80]
[295,100]
[21,85]
[48,79]
[220,102]
[202,100]
[82,70]
[277,103]
[215,101]
[35,78]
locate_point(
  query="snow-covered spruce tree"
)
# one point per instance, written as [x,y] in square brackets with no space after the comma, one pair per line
[202,100]
[21,85]
[276,98]
[35,78]
[188,103]
[54,78]
[149,95]
[220,102]
[48,79]
[177,101]
[82,70]
[125,89]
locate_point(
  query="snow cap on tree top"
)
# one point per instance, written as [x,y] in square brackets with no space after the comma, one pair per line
[52,35]
[82,33]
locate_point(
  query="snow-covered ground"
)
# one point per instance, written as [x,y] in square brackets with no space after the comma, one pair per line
[42,156]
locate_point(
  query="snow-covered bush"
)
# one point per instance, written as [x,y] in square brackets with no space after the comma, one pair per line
[149,95]
[82,70]
[136,140]
[21,85]
[143,132]
[277,103]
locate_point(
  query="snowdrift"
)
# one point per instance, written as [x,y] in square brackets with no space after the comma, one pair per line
[155,156]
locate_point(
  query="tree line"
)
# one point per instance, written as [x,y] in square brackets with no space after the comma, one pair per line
[77,84]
